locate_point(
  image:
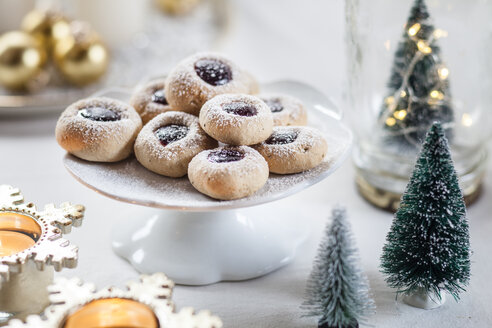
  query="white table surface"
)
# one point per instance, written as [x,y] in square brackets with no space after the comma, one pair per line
[275,39]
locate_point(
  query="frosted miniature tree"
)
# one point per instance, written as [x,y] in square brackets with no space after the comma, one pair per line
[418,86]
[427,248]
[337,290]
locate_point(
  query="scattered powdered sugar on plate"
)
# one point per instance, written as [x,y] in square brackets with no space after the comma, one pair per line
[128,181]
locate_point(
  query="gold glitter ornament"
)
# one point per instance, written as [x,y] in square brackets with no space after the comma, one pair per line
[46,26]
[81,57]
[21,59]
[177,7]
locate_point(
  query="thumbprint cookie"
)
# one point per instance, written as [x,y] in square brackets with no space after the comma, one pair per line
[293,149]
[228,172]
[286,110]
[169,141]
[201,77]
[150,100]
[237,119]
[98,129]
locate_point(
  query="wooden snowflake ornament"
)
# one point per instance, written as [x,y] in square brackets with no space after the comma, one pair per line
[144,303]
[31,246]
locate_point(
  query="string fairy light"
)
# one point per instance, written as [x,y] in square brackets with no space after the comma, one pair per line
[435,94]
[389,100]
[466,120]
[414,29]
[400,114]
[438,33]
[398,106]
[443,73]
[390,121]
[424,47]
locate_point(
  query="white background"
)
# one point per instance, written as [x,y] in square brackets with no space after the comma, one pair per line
[274,39]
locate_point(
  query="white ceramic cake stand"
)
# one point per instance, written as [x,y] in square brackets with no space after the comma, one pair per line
[197,240]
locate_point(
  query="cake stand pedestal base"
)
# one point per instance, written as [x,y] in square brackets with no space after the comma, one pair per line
[199,248]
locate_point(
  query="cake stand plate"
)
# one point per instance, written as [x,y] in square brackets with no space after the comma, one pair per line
[197,240]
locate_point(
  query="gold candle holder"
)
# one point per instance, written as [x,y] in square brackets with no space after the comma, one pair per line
[143,304]
[31,248]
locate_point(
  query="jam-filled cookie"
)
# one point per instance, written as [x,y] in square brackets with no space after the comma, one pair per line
[286,110]
[293,149]
[169,141]
[201,77]
[98,129]
[228,172]
[237,119]
[150,100]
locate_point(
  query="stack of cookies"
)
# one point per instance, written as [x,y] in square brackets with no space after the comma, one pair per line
[207,121]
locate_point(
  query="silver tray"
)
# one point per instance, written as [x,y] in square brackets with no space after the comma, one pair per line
[165,41]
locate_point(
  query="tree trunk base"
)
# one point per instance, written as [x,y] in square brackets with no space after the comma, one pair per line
[422,300]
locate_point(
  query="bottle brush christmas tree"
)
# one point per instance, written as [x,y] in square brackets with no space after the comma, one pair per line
[337,291]
[427,249]
[418,86]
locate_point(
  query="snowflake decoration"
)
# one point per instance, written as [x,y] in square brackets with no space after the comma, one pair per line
[51,248]
[154,291]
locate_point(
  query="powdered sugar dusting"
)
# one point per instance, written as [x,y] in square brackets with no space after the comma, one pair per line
[186,91]
[306,138]
[195,140]
[250,164]
[213,112]
[93,132]
[142,100]
[129,181]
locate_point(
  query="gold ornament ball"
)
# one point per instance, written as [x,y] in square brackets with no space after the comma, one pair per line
[47,26]
[82,57]
[21,59]
[177,7]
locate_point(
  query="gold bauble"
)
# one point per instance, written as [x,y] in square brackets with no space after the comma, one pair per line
[47,26]
[177,7]
[21,59]
[81,57]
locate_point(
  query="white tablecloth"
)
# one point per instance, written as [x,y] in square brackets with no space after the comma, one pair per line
[274,39]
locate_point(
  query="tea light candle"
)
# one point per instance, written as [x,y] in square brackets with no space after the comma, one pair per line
[12,242]
[143,304]
[18,232]
[31,248]
[113,312]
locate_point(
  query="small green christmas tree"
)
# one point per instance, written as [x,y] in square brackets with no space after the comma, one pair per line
[418,86]
[337,291]
[427,248]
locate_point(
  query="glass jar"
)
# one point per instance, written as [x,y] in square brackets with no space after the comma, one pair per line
[410,63]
